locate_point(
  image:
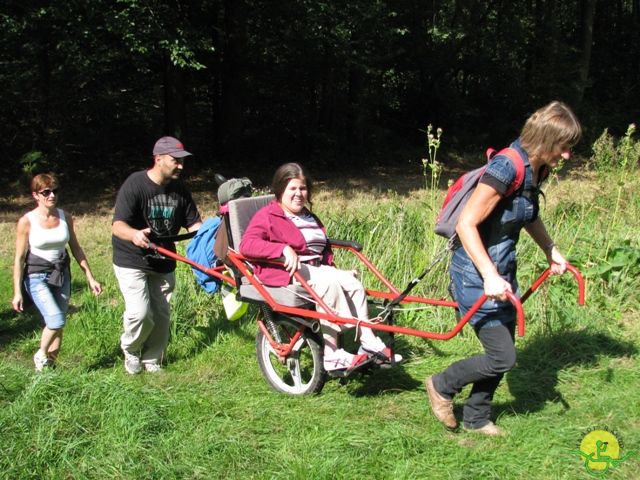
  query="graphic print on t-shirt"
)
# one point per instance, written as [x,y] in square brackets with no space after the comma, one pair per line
[161,213]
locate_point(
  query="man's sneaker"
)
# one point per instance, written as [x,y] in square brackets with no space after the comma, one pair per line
[152,367]
[132,363]
[40,360]
[379,351]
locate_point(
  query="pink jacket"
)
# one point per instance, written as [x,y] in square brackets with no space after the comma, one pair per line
[269,231]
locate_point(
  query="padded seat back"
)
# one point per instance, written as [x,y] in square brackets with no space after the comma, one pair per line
[241,211]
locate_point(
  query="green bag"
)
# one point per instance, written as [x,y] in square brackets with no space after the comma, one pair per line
[234,188]
[233,308]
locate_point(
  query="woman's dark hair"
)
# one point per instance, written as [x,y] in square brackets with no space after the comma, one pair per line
[284,174]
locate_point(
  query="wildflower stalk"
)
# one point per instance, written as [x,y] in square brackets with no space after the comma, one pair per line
[432,165]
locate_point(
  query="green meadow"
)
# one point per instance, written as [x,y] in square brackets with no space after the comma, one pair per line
[210,414]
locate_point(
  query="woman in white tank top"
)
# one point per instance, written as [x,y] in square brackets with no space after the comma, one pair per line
[41,265]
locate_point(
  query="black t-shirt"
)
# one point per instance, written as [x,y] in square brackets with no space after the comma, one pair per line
[142,203]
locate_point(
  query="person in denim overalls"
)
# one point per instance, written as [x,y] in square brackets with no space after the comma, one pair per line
[485,262]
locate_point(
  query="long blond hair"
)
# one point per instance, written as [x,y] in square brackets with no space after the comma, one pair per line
[551,126]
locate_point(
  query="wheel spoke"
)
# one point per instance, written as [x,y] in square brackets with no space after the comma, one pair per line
[299,345]
[296,375]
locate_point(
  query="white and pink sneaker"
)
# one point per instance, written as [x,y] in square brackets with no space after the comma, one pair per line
[341,360]
[377,349]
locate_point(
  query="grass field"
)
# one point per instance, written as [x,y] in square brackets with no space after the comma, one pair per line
[210,414]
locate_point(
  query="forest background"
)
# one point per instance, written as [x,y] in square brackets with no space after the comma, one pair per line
[87,86]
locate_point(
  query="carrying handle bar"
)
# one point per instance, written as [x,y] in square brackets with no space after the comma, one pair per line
[515,301]
[576,273]
[217,272]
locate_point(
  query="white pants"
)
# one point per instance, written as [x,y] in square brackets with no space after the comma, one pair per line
[147,313]
[340,291]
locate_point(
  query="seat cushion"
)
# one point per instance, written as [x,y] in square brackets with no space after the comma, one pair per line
[291,295]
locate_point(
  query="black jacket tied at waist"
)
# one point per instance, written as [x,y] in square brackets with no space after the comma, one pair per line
[57,269]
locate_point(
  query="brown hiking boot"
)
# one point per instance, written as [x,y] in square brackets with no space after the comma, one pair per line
[490,429]
[441,407]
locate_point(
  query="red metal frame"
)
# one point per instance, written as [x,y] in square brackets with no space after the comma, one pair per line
[240,262]
[217,272]
[282,349]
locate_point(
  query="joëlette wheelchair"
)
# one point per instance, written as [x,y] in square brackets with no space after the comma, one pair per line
[289,344]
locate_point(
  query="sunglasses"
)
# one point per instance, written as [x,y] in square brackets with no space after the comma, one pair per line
[48,191]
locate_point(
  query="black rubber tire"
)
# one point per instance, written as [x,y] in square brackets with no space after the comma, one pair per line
[303,372]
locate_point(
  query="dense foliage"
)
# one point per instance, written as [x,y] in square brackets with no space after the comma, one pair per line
[88,86]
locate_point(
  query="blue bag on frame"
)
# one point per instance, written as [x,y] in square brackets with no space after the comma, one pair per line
[200,250]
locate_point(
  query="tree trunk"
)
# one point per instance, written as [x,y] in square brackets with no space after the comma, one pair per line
[232,82]
[355,109]
[43,110]
[174,108]
[588,14]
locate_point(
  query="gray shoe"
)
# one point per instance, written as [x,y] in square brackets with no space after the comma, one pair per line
[132,363]
[153,367]
[41,361]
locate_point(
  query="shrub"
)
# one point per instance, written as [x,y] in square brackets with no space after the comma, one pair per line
[620,156]
[33,162]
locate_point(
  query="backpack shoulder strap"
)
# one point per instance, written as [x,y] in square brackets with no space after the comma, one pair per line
[515,157]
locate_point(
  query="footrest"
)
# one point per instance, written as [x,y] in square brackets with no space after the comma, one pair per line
[345,373]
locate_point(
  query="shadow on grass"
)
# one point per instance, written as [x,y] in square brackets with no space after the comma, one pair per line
[220,324]
[199,338]
[386,380]
[534,380]
[107,357]
[14,326]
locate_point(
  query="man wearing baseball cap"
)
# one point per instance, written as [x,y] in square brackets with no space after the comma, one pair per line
[151,204]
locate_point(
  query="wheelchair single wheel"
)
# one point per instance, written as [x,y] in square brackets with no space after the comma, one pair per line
[302,372]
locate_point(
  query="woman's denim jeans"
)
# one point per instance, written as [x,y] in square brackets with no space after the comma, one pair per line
[52,302]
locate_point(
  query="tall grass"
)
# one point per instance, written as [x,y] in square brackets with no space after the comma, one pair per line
[211,415]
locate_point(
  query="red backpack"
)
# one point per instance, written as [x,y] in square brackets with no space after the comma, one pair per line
[461,190]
